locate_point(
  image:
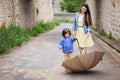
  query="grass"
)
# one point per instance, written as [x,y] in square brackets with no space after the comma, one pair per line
[103,33]
[63,21]
[93,28]
[14,36]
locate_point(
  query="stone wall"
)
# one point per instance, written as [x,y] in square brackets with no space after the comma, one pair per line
[25,12]
[45,10]
[64,16]
[6,12]
[106,15]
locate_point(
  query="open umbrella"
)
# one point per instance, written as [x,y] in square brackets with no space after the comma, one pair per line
[83,62]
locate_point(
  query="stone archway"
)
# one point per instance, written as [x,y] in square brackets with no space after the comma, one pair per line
[95,8]
[28,12]
[98,13]
[25,14]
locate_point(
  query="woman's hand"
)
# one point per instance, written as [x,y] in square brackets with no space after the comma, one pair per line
[88,34]
[74,34]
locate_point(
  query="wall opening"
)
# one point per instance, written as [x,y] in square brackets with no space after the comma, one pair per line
[27,8]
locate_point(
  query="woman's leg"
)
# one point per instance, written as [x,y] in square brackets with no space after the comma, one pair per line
[84,50]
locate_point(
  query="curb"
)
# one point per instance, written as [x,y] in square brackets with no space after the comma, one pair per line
[109,42]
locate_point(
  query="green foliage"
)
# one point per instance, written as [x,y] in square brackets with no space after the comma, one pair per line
[37,29]
[21,35]
[56,22]
[62,5]
[103,33]
[13,36]
[42,27]
[71,5]
[110,36]
[93,28]
[63,21]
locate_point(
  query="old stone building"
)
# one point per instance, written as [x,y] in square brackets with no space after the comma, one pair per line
[25,12]
[106,15]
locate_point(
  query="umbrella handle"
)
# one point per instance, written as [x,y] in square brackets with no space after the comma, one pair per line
[79,46]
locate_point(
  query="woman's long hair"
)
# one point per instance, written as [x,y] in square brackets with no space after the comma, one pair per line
[88,19]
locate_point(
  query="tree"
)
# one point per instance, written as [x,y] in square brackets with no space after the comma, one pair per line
[72,5]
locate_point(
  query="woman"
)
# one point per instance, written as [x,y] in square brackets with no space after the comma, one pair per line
[81,28]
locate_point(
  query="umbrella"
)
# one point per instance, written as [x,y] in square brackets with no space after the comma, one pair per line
[83,62]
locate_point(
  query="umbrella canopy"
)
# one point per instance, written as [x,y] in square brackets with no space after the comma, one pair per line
[83,62]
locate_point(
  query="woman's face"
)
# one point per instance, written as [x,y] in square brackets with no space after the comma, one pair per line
[83,9]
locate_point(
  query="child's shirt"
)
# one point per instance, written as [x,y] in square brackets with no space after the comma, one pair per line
[67,44]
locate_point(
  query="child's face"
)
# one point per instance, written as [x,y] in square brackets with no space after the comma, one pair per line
[67,34]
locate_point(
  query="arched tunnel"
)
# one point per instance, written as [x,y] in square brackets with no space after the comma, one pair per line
[25,13]
[28,12]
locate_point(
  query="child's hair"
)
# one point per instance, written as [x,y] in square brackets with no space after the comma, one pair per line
[66,30]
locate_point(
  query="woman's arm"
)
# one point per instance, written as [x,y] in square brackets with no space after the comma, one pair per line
[74,27]
[74,34]
[74,24]
[89,30]
[88,33]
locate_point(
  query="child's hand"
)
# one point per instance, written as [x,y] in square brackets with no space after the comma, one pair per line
[75,38]
[60,48]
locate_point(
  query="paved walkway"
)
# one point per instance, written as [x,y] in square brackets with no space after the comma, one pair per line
[40,59]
